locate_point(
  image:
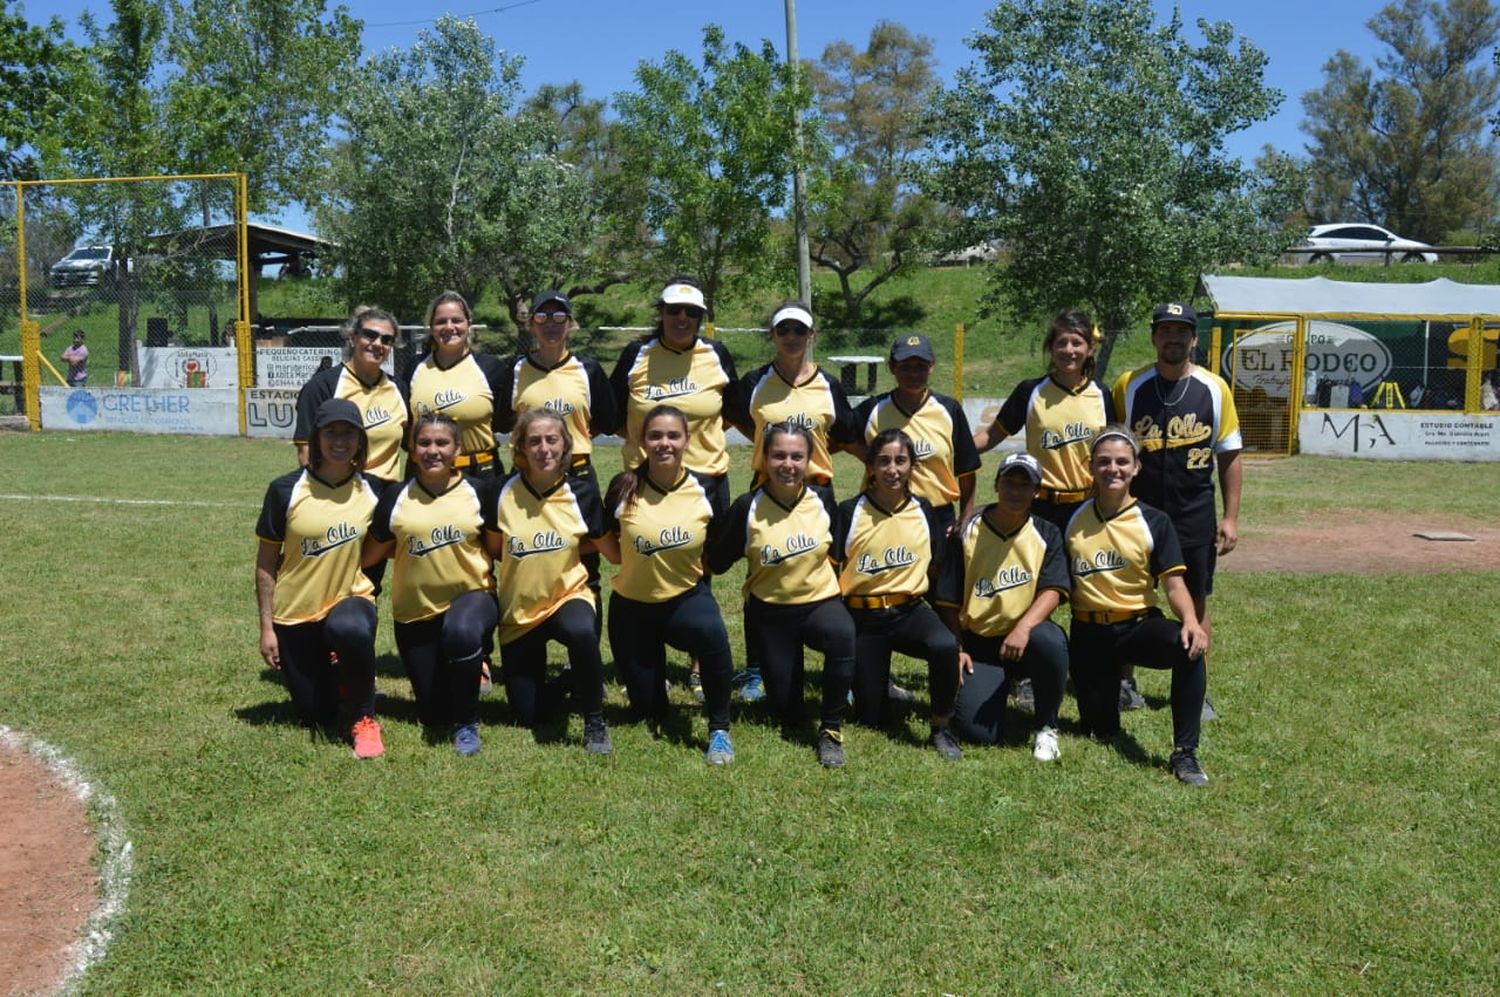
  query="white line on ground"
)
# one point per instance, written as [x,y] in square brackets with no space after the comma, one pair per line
[115,865]
[108,500]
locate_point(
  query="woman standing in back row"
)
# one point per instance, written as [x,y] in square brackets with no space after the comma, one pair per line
[461,384]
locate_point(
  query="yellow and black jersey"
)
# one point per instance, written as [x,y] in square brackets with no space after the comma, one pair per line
[787,547]
[664,536]
[467,392]
[882,551]
[439,548]
[1060,426]
[575,388]
[540,566]
[940,432]
[1182,425]
[383,405]
[816,403]
[695,380]
[992,578]
[1115,563]
[320,528]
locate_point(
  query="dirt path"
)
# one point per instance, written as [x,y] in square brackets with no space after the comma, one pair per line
[1367,543]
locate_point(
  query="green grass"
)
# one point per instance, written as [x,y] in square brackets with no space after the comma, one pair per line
[1348,837]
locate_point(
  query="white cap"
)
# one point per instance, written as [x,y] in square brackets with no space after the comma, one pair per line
[682,294]
[795,313]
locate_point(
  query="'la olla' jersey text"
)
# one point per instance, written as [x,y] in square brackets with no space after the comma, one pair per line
[694,380]
[940,433]
[439,551]
[383,405]
[663,535]
[1115,563]
[885,551]
[465,392]
[816,403]
[320,528]
[541,566]
[993,577]
[574,388]
[787,547]
[1060,426]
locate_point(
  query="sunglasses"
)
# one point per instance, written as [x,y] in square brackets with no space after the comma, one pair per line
[551,316]
[371,336]
[693,311]
[792,329]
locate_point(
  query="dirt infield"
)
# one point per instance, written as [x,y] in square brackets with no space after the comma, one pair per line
[48,886]
[1366,543]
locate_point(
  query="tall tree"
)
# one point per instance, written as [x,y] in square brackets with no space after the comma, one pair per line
[866,214]
[37,70]
[710,149]
[254,88]
[1090,139]
[439,183]
[1406,144]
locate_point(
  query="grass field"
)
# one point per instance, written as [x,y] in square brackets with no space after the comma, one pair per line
[1348,840]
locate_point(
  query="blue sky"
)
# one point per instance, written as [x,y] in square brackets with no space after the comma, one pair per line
[600,42]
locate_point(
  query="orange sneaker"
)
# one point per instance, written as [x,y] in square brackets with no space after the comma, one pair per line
[367,743]
[486,686]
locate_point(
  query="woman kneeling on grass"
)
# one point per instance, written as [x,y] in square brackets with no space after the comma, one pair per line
[546,520]
[663,517]
[1118,549]
[784,529]
[442,594]
[317,609]
[886,546]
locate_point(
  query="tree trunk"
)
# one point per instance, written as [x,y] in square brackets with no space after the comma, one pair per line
[1113,326]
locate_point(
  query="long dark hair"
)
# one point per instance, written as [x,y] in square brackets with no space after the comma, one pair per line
[1077,321]
[882,439]
[626,487]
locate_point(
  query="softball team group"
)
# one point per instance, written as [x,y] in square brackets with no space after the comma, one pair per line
[1112,499]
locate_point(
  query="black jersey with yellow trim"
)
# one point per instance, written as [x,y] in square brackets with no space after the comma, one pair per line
[467,391]
[575,387]
[383,404]
[787,548]
[817,403]
[440,551]
[1182,426]
[540,565]
[992,578]
[940,432]
[1060,425]
[1115,563]
[664,536]
[880,551]
[320,527]
[695,380]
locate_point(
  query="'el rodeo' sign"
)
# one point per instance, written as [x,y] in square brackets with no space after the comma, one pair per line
[1263,358]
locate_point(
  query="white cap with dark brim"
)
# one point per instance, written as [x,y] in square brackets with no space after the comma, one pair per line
[682,294]
[1025,463]
[794,313]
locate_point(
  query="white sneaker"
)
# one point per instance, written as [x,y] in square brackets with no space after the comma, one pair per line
[1046,748]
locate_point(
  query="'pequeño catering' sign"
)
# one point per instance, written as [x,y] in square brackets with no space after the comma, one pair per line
[1263,358]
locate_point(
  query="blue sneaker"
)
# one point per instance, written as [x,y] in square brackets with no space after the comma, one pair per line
[466,739]
[752,689]
[720,748]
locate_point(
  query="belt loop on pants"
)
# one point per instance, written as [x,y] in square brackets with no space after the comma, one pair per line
[1104,617]
[877,601]
[1061,495]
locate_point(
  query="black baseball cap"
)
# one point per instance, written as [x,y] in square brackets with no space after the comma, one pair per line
[550,295]
[1174,311]
[1023,462]
[911,344]
[338,410]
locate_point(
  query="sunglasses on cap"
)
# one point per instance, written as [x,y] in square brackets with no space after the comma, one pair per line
[791,328]
[372,336]
[557,316]
[693,311]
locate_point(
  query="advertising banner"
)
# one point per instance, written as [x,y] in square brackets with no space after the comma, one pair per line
[270,412]
[291,366]
[1388,435]
[199,411]
[188,367]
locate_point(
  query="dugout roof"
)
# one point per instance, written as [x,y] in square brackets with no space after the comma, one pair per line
[268,244]
[1320,297]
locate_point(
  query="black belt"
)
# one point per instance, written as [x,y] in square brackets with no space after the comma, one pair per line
[878,601]
[1105,617]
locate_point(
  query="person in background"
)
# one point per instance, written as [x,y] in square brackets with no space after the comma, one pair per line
[1119,550]
[1003,574]
[664,518]
[1489,391]
[1187,425]
[317,609]
[77,359]
[442,591]
[886,548]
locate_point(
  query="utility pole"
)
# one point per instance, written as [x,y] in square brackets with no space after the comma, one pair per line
[799,182]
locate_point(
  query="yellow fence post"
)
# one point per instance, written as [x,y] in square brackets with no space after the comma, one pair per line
[31,371]
[1215,348]
[1474,365]
[958,361]
[244,347]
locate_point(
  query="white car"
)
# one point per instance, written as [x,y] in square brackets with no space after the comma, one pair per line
[1355,243]
[83,267]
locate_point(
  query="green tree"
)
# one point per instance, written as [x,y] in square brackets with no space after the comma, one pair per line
[866,215]
[1406,143]
[255,85]
[1090,139]
[709,150]
[37,72]
[439,183]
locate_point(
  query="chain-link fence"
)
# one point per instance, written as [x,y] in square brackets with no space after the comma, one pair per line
[123,283]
